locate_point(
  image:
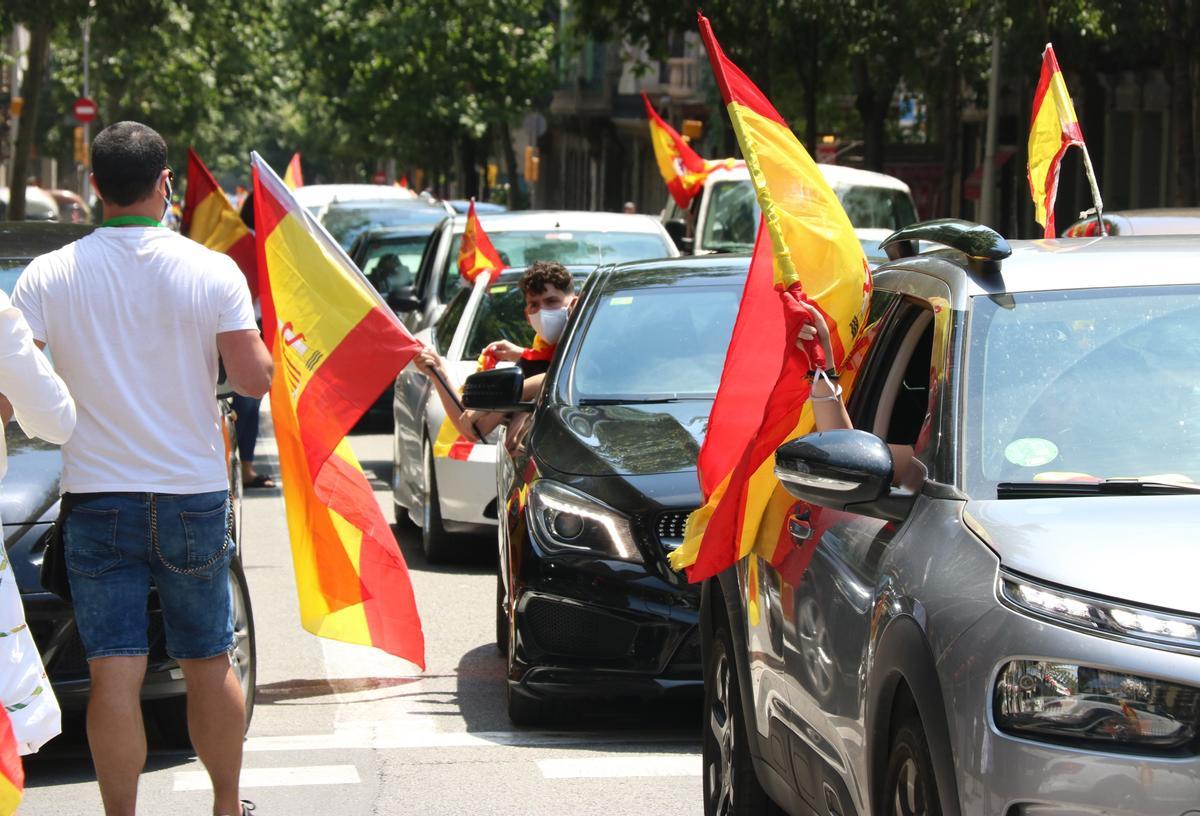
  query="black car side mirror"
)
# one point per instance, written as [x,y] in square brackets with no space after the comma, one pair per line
[404,299]
[677,229]
[843,470]
[496,390]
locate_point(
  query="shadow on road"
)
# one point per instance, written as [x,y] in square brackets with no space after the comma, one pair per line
[477,554]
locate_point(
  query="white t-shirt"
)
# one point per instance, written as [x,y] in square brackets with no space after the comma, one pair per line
[131,317]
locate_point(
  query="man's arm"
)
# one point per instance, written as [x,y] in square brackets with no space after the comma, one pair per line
[248,364]
[473,425]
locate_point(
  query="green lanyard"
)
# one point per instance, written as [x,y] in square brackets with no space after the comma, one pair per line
[131,221]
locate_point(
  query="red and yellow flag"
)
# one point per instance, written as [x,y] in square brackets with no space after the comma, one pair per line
[476,253]
[292,176]
[336,346]
[806,251]
[1053,128]
[682,168]
[12,772]
[210,219]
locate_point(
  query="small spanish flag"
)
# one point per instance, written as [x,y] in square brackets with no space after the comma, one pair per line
[336,346]
[1053,128]
[293,177]
[476,253]
[210,219]
[806,251]
[12,773]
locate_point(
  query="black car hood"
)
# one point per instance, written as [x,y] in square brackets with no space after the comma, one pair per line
[622,440]
[30,488]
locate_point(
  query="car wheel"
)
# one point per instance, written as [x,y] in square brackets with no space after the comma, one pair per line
[170,714]
[911,789]
[501,617]
[731,787]
[436,543]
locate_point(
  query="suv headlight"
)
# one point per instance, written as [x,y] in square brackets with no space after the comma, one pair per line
[1095,708]
[565,520]
[1150,626]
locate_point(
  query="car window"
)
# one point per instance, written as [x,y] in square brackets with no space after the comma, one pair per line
[569,247]
[347,221]
[443,330]
[655,343]
[391,263]
[732,218]
[500,316]
[1083,385]
[876,207]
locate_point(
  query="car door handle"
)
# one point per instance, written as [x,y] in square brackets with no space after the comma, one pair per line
[799,527]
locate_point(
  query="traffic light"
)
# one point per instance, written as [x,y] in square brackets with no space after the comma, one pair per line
[81,151]
[531,164]
[493,174]
[692,128]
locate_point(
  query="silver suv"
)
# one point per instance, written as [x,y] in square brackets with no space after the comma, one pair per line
[1018,632]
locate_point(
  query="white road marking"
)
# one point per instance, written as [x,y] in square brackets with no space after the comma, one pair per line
[396,737]
[275,777]
[612,767]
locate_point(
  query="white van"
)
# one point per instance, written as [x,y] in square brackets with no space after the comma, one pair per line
[725,215]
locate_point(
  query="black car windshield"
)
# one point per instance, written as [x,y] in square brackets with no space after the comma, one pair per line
[346,222]
[654,344]
[391,263]
[1083,386]
[568,247]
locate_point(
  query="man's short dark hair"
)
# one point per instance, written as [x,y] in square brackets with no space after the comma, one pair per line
[541,274]
[127,159]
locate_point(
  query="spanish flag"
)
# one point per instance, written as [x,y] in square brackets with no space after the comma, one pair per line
[1053,128]
[292,176]
[476,253]
[682,168]
[806,251]
[336,346]
[12,773]
[210,219]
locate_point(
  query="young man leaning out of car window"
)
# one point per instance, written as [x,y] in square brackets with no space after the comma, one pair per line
[549,297]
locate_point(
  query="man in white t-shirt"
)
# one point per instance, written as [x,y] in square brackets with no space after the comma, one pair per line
[136,316]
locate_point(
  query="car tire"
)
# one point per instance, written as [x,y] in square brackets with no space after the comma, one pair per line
[731,787]
[910,786]
[436,543]
[170,714]
[501,616]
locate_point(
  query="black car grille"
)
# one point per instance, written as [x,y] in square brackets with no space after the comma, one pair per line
[574,631]
[668,529]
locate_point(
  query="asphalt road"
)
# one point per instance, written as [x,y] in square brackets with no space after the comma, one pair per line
[342,729]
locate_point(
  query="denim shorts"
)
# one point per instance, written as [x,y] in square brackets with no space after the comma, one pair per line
[112,558]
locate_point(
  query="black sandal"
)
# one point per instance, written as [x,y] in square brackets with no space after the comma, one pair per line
[261,481]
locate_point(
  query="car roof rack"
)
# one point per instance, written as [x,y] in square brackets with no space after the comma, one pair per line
[984,247]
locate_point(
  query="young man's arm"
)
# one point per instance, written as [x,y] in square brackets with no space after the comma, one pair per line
[473,425]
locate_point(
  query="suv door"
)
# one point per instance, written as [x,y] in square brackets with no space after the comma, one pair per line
[816,597]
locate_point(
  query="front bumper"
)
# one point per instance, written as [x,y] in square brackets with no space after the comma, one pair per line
[1006,775]
[591,627]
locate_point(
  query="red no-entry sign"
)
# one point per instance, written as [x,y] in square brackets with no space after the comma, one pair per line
[85,109]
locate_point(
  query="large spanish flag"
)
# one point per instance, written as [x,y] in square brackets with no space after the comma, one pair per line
[1053,128]
[210,219]
[806,251]
[336,346]
[476,254]
[12,773]
[682,168]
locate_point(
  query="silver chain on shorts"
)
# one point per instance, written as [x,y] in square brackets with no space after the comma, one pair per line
[217,557]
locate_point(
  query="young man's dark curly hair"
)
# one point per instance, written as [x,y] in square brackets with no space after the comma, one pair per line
[541,274]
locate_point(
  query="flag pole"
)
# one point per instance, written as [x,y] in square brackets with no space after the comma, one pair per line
[1097,202]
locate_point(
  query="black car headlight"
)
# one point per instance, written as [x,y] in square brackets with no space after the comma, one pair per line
[565,520]
[1165,630]
[1062,702]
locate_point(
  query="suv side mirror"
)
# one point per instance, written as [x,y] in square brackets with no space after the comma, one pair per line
[404,299]
[496,390]
[677,229]
[846,470]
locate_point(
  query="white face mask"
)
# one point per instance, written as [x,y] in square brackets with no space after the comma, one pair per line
[549,323]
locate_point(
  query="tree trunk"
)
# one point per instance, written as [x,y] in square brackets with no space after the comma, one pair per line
[1181,77]
[811,74]
[468,172]
[874,102]
[510,163]
[31,90]
[951,146]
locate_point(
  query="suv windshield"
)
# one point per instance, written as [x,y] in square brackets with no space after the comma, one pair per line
[651,344]
[876,207]
[1082,386]
[346,222]
[568,247]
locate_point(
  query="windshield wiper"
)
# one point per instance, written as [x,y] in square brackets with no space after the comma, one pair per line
[1107,487]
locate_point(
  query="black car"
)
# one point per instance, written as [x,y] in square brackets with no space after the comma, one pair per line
[595,482]
[29,501]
